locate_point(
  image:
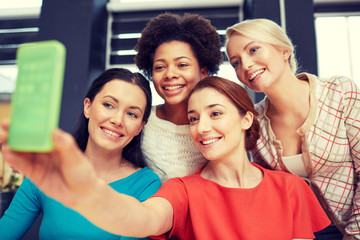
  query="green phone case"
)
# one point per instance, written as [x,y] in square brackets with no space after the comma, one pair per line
[36,100]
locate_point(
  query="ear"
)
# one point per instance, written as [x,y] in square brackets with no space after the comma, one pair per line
[141,127]
[203,72]
[286,54]
[247,120]
[87,108]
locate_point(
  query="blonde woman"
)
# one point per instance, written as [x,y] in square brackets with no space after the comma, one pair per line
[310,126]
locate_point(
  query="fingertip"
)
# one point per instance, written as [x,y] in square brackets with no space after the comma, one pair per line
[3,131]
[5,124]
[62,139]
[56,134]
[5,150]
[3,138]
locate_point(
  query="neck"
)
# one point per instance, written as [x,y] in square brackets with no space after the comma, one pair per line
[234,173]
[176,114]
[103,159]
[291,95]
[109,166]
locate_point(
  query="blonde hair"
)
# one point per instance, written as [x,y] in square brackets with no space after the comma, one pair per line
[265,30]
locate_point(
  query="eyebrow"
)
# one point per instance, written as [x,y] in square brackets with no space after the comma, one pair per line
[208,107]
[117,101]
[176,59]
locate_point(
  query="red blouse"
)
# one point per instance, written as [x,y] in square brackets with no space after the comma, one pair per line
[281,206]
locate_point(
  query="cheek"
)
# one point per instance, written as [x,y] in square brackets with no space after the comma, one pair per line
[192,76]
[156,82]
[100,116]
[133,126]
[193,133]
[224,127]
[241,77]
[97,115]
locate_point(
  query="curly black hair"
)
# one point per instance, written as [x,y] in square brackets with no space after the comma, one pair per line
[191,28]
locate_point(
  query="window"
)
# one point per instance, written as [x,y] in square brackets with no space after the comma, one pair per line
[338,48]
[337,38]
[18,24]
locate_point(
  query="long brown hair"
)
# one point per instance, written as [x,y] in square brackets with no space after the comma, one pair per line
[131,152]
[240,98]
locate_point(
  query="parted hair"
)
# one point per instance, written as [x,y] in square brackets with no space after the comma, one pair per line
[265,30]
[240,98]
[190,28]
[131,152]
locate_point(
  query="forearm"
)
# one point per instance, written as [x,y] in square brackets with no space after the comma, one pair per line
[21,214]
[117,213]
[66,175]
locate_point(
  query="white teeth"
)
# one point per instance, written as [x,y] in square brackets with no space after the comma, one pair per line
[111,133]
[173,87]
[256,73]
[210,141]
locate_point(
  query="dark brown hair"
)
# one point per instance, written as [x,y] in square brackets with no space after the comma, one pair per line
[240,98]
[131,152]
[191,28]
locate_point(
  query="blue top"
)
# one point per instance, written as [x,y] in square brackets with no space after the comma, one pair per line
[60,222]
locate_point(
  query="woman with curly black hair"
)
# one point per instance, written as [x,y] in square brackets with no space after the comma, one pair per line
[175,52]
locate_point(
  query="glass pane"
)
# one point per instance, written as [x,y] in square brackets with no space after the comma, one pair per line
[20,3]
[332,46]
[337,46]
[354,32]
[8,75]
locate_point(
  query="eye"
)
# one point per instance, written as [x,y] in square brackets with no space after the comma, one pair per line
[158,67]
[108,105]
[182,65]
[253,49]
[132,115]
[235,64]
[193,119]
[216,114]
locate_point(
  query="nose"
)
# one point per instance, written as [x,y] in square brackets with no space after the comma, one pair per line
[247,63]
[171,72]
[117,119]
[204,125]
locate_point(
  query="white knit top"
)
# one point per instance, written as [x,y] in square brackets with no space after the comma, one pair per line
[169,149]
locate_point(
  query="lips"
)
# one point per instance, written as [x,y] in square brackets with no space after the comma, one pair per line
[112,133]
[172,88]
[255,74]
[209,141]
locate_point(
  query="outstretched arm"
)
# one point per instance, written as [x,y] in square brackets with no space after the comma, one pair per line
[66,175]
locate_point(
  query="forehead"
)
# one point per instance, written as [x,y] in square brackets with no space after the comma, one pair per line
[237,39]
[123,91]
[208,96]
[174,49]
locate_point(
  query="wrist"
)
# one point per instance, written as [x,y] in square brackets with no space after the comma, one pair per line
[91,197]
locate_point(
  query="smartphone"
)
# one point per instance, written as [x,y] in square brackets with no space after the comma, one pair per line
[36,100]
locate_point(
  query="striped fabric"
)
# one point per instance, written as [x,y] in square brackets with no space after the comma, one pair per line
[330,147]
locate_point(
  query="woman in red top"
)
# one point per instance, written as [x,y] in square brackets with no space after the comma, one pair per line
[229,198]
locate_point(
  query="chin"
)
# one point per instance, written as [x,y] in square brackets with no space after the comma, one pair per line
[210,157]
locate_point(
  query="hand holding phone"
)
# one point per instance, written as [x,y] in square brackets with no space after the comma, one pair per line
[36,100]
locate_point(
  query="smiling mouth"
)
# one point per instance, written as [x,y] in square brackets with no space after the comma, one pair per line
[112,133]
[210,141]
[255,74]
[172,88]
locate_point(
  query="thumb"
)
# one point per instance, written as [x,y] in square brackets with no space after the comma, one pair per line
[66,146]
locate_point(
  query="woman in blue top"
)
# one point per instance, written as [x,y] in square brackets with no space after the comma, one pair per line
[116,108]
